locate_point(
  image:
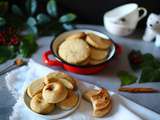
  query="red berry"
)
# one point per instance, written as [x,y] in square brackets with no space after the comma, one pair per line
[14,40]
[2,40]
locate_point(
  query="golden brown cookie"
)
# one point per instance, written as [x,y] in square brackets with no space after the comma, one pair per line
[102,112]
[89,93]
[65,79]
[102,94]
[101,101]
[70,101]
[97,54]
[74,51]
[35,87]
[39,105]
[98,42]
[101,104]
[54,92]
[77,35]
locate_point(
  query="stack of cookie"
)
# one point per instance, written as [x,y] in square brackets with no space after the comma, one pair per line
[56,88]
[84,48]
[101,101]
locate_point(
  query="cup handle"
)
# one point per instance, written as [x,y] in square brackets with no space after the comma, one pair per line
[46,60]
[143,14]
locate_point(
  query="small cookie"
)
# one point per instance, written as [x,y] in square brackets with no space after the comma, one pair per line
[35,87]
[77,35]
[97,54]
[39,105]
[98,42]
[69,102]
[54,92]
[74,51]
[95,62]
[102,112]
[65,79]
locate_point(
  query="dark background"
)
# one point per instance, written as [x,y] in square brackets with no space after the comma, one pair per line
[92,11]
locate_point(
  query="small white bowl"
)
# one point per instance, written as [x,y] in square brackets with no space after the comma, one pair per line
[117,29]
[57,114]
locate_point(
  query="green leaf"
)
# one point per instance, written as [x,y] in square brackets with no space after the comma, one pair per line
[146,75]
[156,76]
[42,18]
[28,45]
[31,21]
[32,30]
[149,74]
[67,18]
[68,26]
[16,10]
[7,52]
[126,78]
[148,57]
[150,69]
[31,6]
[2,21]
[52,8]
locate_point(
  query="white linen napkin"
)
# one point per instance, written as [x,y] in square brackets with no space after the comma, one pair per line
[18,79]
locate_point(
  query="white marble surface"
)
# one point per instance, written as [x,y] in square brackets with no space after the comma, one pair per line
[106,78]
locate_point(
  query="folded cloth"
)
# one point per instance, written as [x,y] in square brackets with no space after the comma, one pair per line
[18,79]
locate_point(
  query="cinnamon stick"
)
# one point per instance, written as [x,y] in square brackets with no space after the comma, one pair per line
[138,90]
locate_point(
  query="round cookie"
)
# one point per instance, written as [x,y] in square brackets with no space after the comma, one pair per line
[98,42]
[97,54]
[74,51]
[54,92]
[65,79]
[77,35]
[35,87]
[70,101]
[39,105]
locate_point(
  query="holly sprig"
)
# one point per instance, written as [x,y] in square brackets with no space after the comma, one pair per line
[34,22]
[146,63]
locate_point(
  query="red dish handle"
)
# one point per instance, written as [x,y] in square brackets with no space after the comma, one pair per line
[46,60]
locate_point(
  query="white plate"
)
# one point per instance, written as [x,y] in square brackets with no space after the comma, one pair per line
[57,114]
[122,107]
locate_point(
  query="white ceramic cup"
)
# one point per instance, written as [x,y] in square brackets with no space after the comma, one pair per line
[127,15]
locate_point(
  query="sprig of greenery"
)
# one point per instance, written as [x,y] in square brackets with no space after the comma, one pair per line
[35,24]
[150,70]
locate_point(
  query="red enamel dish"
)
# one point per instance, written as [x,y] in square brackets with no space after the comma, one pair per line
[87,69]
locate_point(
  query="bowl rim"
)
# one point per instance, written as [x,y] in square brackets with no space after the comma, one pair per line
[81,66]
